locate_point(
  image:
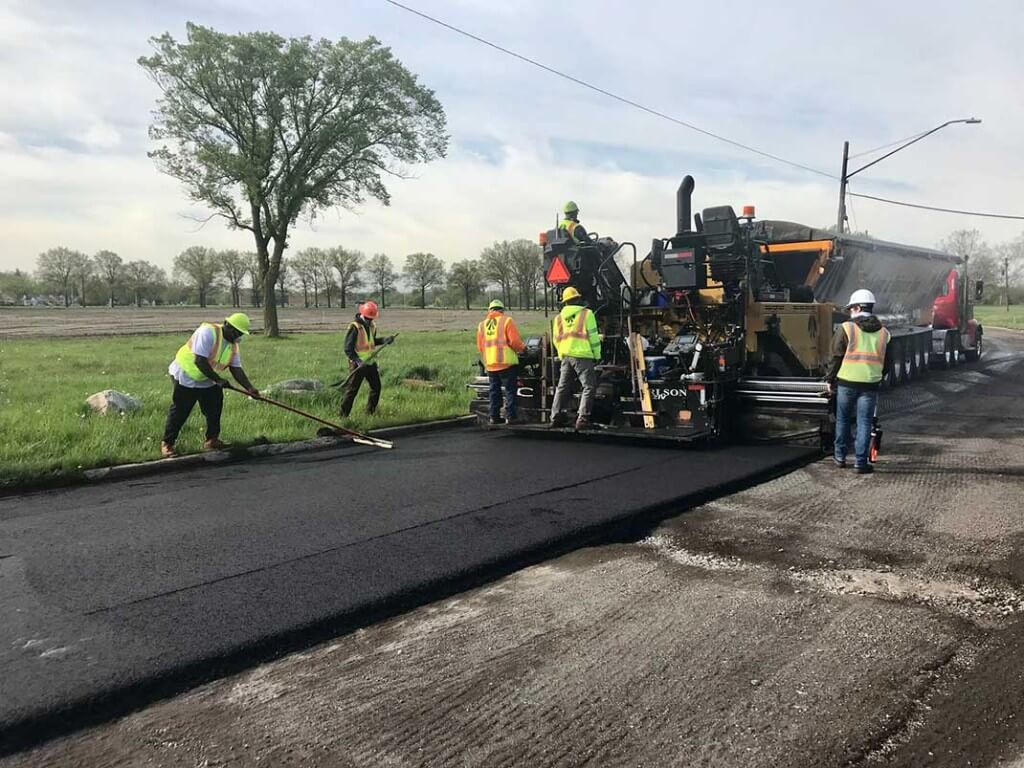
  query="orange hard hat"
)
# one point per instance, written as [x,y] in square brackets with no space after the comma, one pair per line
[369,309]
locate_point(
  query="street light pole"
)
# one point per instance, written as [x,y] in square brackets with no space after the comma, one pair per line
[846,176]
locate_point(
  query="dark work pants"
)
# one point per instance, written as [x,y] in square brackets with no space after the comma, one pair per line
[184,399]
[371,375]
[507,379]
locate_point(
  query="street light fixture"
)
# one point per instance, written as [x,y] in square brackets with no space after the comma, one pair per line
[846,176]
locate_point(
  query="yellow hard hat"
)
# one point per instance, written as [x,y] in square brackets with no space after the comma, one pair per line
[570,207]
[570,293]
[239,321]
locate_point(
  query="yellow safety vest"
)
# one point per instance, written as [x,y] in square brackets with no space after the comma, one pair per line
[366,342]
[219,359]
[497,352]
[570,226]
[864,360]
[575,333]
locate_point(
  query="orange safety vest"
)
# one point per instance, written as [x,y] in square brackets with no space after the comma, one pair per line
[365,341]
[492,338]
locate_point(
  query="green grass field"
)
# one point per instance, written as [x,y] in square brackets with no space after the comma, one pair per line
[998,316]
[45,427]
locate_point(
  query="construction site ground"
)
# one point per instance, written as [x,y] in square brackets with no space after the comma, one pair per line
[76,322]
[820,619]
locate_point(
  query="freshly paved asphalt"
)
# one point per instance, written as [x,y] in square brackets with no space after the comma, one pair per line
[116,593]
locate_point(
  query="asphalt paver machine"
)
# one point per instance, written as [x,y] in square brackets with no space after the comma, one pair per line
[705,341]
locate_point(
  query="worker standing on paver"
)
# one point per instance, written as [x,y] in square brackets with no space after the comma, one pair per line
[499,344]
[860,348]
[361,344]
[196,369]
[578,344]
[571,223]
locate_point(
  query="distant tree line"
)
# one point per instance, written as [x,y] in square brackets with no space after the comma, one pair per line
[318,277]
[337,277]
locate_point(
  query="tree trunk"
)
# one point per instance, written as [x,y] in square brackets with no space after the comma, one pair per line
[467,296]
[382,294]
[343,304]
[423,297]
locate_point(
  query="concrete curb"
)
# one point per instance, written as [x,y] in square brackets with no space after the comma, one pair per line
[236,454]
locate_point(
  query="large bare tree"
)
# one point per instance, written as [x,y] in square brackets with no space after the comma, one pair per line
[263,129]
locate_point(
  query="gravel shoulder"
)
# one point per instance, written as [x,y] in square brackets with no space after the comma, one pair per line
[820,619]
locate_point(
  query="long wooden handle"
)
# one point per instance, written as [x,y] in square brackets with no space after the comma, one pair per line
[356,436]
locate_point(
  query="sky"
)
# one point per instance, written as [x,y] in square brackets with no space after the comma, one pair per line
[794,81]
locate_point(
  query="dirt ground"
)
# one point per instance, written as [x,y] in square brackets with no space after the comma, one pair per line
[76,322]
[822,619]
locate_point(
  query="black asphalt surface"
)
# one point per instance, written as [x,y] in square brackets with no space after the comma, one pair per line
[119,592]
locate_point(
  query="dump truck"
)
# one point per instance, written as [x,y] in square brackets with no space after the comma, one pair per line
[723,331]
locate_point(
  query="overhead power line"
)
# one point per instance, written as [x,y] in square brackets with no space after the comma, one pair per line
[890,144]
[936,208]
[603,92]
[684,123]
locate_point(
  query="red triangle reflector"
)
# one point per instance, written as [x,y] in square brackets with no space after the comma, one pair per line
[557,273]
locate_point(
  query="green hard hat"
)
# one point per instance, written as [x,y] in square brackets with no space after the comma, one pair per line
[239,321]
[496,304]
[570,207]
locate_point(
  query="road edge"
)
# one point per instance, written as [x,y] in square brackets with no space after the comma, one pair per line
[231,455]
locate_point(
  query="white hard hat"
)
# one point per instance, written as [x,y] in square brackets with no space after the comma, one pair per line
[861,296]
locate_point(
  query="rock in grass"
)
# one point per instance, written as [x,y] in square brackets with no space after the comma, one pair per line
[110,400]
[296,387]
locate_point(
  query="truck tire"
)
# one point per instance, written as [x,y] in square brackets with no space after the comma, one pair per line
[923,352]
[947,352]
[897,372]
[974,353]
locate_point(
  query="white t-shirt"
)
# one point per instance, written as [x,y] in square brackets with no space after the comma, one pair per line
[202,344]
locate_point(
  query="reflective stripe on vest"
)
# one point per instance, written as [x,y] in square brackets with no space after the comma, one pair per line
[569,226]
[492,335]
[571,337]
[219,359]
[366,341]
[864,361]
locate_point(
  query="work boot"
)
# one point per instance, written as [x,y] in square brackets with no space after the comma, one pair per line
[558,421]
[582,423]
[841,463]
[215,444]
[515,420]
[167,450]
[866,469]
[495,421]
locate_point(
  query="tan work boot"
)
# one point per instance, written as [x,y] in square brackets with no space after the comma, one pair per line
[215,444]
[167,450]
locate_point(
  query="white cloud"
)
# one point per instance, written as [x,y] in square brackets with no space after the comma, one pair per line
[795,81]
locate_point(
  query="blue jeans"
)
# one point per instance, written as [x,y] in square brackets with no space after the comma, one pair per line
[854,405]
[506,379]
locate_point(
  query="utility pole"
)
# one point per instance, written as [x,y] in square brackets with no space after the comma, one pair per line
[841,219]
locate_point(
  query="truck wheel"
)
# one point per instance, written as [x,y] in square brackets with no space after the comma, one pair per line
[896,373]
[975,353]
[909,364]
[923,352]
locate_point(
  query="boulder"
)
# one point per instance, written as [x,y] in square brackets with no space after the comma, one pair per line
[296,386]
[110,400]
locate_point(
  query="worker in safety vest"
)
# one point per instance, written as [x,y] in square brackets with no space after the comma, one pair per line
[499,344]
[575,337]
[196,371]
[860,352]
[361,344]
[571,223]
